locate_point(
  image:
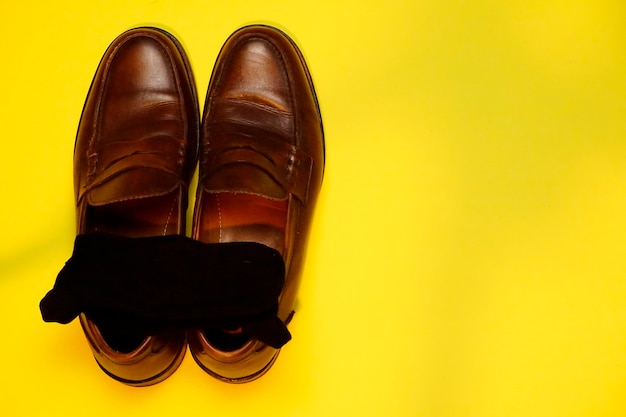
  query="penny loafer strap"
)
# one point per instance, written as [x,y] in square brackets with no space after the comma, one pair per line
[142,286]
[269,149]
[124,170]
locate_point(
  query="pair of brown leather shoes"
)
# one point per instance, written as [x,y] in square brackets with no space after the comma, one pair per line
[260,149]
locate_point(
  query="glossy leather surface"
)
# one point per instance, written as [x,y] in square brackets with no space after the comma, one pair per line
[261,170]
[135,152]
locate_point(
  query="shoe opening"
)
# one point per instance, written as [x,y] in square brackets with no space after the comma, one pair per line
[226,340]
[122,343]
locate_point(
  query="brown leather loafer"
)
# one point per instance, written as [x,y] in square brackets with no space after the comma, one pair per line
[135,152]
[260,174]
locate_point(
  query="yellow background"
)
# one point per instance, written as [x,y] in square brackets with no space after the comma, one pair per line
[468,252]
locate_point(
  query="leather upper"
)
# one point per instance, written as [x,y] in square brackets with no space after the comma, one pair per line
[134,155]
[261,169]
[138,135]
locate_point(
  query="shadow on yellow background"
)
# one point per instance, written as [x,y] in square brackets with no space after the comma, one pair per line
[468,254]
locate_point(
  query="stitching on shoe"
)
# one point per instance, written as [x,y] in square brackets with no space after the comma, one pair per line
[169,216]
[219,215]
